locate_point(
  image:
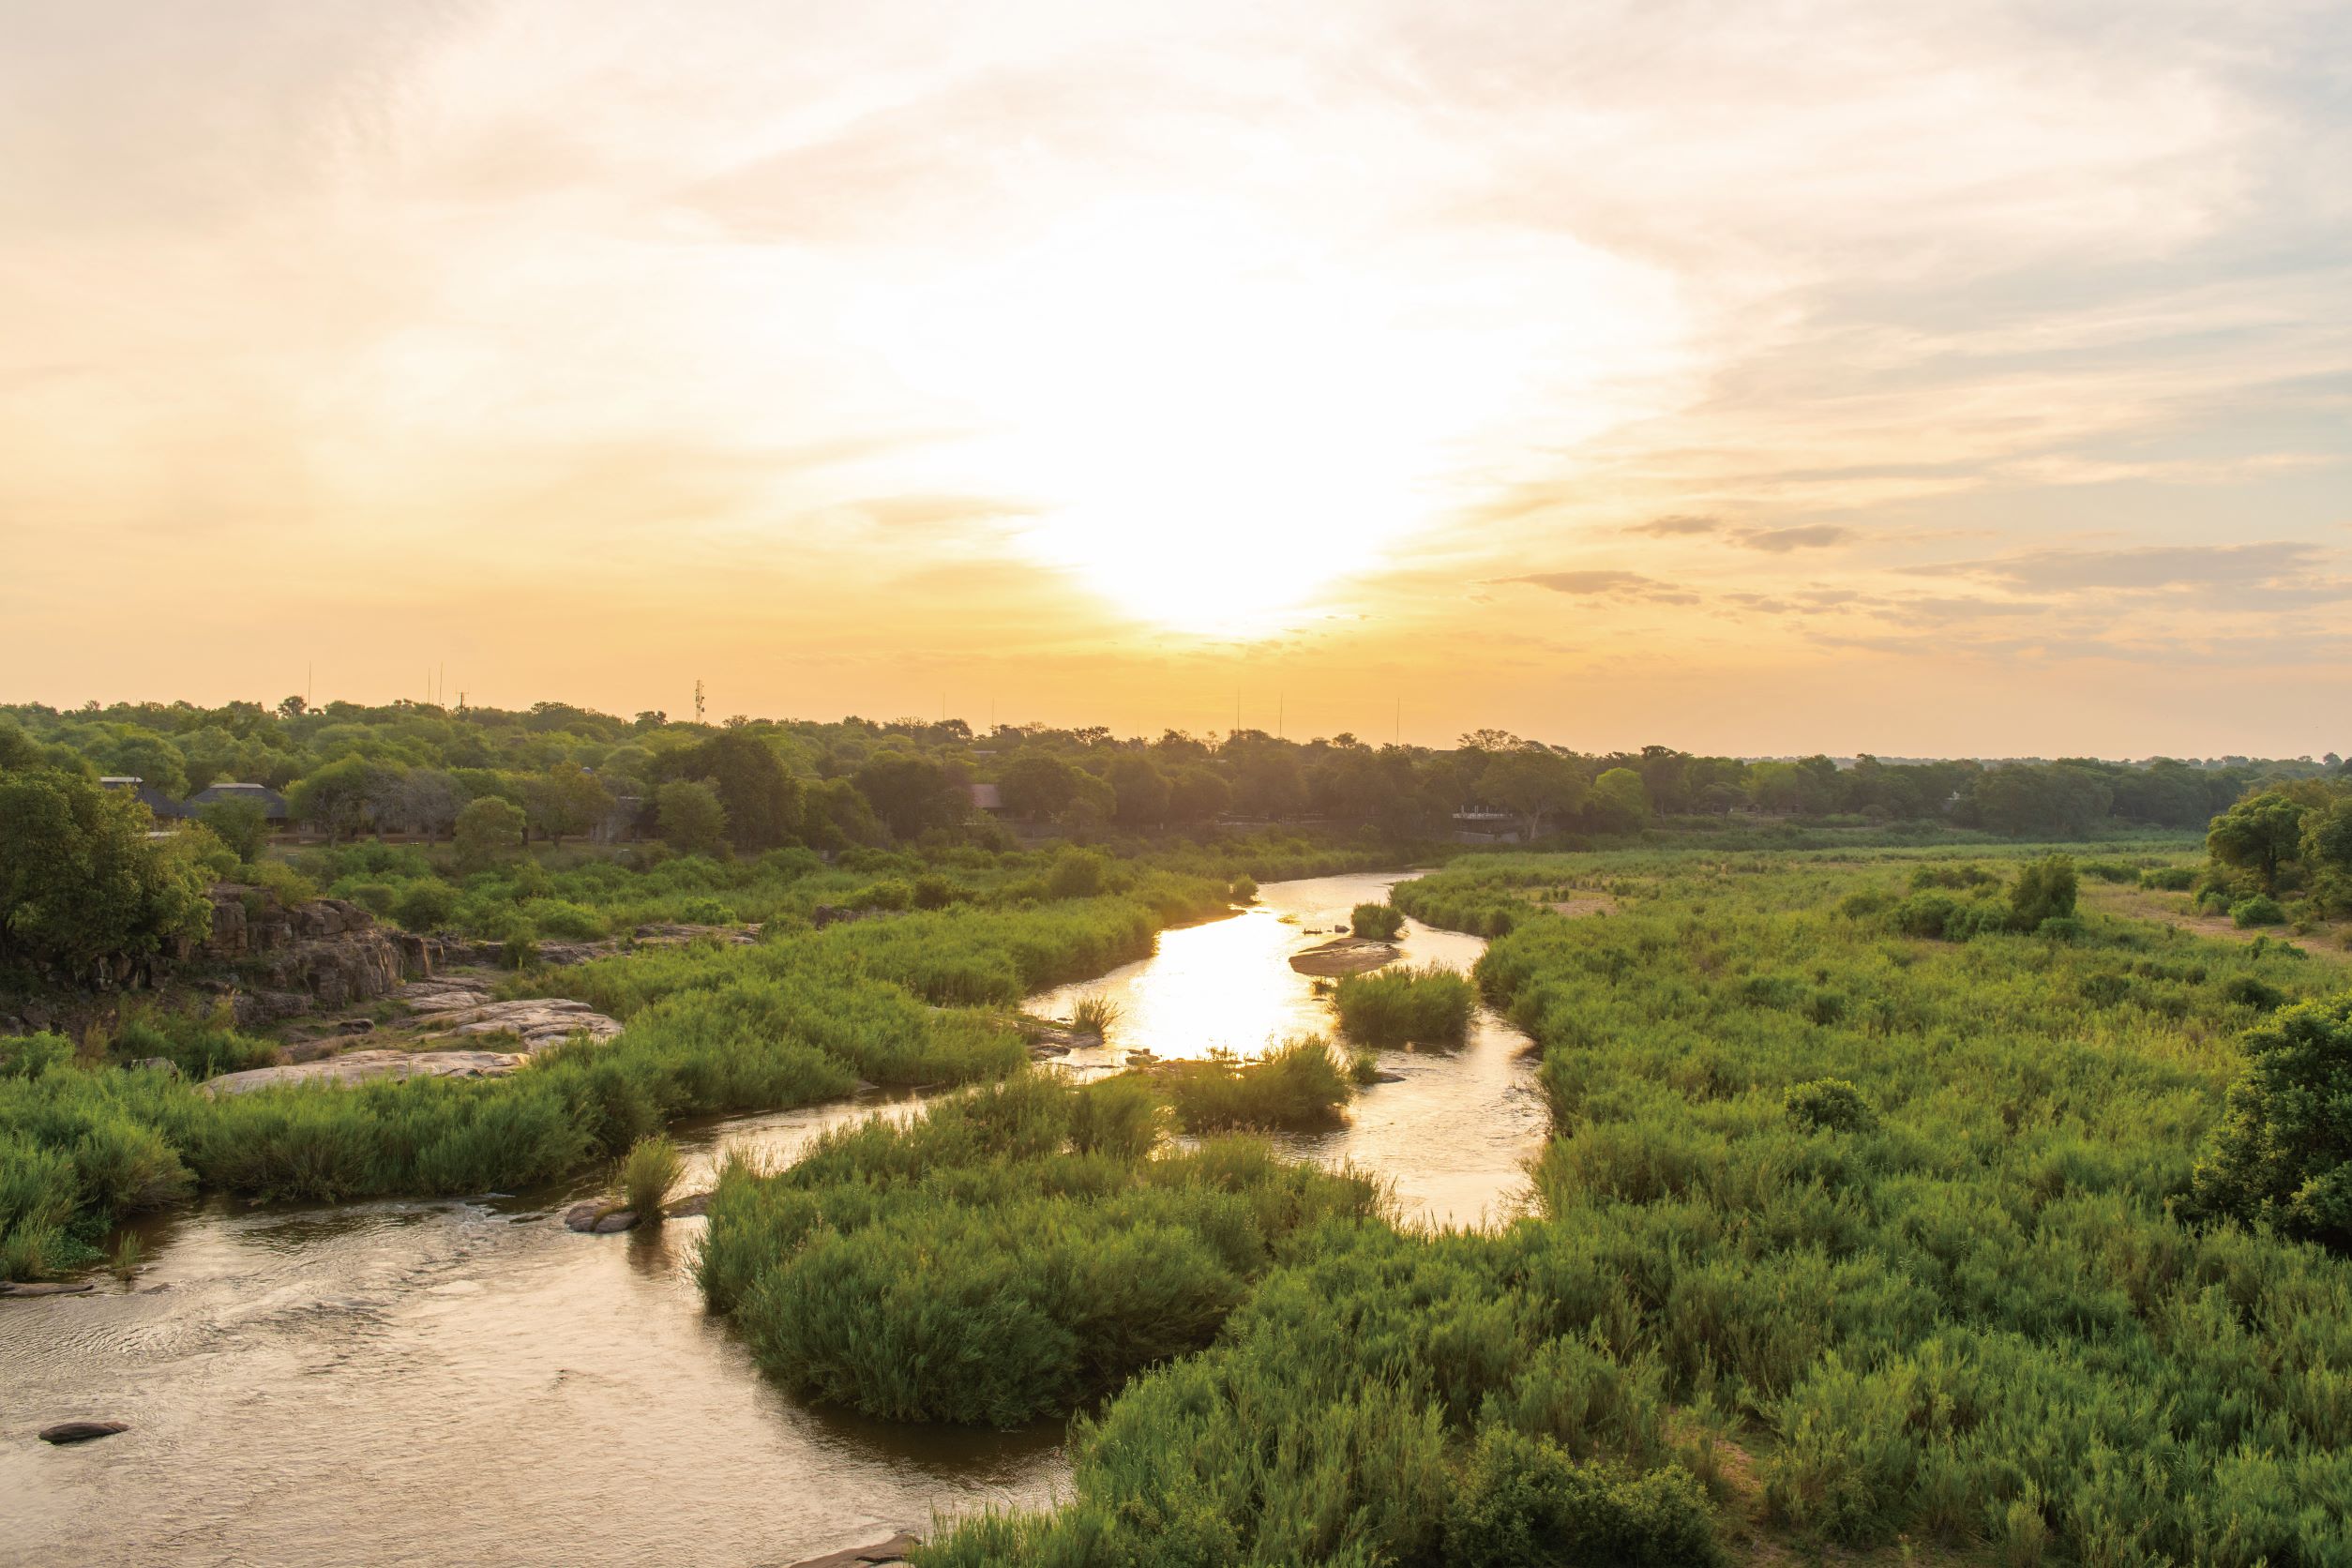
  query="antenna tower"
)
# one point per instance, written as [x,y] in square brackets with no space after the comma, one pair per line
[697,701]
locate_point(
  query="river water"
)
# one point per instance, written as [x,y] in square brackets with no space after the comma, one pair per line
[471,1383]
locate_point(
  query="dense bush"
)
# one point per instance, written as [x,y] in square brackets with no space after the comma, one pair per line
[973,1266]
[1299,1083]
[1379,922]
[2260,910]
[1431,1005]
[2283,1154]
[1526,1504]
[2169,878]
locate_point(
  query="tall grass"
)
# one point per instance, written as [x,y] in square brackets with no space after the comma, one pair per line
[1298,1084]
[647,1175]
[1001,1259]
[1406,1006]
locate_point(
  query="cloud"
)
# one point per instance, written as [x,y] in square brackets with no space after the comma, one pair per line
[1677,525]
[1780,541]
[1606,584]
[2144,568]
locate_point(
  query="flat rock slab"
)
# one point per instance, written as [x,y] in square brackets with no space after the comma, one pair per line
[360,1066]
[1345,955]
[893,1550]
[82,1431]
[598,1219]
[47,1288]
[537,1021]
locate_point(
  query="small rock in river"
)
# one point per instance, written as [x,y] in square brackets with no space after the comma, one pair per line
[893,1550]
[615,1222]
[48,1287]
[82,1431]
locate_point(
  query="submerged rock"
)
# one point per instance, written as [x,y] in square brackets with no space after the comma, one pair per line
[1343,955]
[47,1288]
[881,1552]
[598,1219]
[82,1431]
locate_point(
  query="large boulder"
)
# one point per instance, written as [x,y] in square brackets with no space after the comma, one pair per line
[82,1431]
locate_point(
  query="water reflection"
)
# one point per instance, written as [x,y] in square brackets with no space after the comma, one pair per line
[1456,1130]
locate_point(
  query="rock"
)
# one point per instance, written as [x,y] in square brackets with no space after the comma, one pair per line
[316,1050]
[358,1066]
[1343,955]
[893,1550]
[47,1288]
[82,1431]
[687,1208]
[1388,1077]
[602,1219]
[537,1022]
[355,1026]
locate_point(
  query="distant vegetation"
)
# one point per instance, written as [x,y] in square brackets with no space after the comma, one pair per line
[1428,1006]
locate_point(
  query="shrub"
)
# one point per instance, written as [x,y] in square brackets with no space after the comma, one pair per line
[426,906]
[565,922]
[1828,1105]
[1525,1504]
[1076,874]
[1096,1014]
[1379,922]
[647,1174]
[933,891]
[2247,991]
[374,897]
[2260,910]
[1244,890]
[1297,1084]
[487,832]
[2110,872]
[200,1045]
[1406,1006]
[2284,1150]
[2213,901]
[707,911]
[887,894]
[2045,890]
[2169,878]
[242,824]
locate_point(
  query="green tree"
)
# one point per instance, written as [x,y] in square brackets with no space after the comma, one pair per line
[489,831]
[1620,799]
[568,800]
[763,801]
[909,794]
[1197,793]
[2284,1150]
[338,799]
[2261,834]
[1037,784]
[690,817]
[1141,790]
[79,879]
[1537,785]
[241,823]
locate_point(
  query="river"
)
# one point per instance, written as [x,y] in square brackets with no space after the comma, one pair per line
[470,1383]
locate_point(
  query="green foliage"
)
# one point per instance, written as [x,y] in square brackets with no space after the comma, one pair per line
[2169,878]
[1525,1504]
[80,883]
[1094,1014]
[2045,890]
[763,802]
[1297,1084]
[1828,1105]
[647,1175]
[489,831]
[199,1045]
[2260,834]
[240,823]
[2260,910]
[690,817]
[1379,922]
[1076,874]
[974,1267]
[2283,1154]
[565,922]
[1431,1005]
[425,906]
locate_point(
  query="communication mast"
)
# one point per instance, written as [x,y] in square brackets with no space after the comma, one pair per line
[697,701]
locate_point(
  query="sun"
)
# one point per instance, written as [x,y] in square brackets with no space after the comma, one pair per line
[1220,420]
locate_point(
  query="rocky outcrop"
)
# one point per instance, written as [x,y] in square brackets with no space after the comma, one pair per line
[462,1010]
[326,953]
[359,1067]
[1345,955]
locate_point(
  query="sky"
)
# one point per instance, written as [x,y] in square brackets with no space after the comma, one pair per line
[1911,378]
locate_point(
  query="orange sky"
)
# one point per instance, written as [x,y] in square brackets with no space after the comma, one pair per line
[1757,378]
